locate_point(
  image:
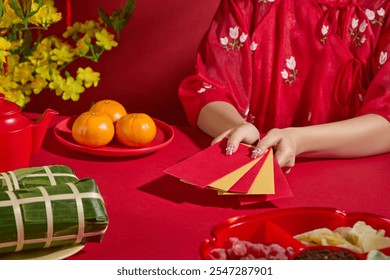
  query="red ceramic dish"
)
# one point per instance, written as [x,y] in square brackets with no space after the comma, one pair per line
[280,226]
[164,136]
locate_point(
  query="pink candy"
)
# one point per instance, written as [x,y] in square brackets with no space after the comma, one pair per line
[236,249]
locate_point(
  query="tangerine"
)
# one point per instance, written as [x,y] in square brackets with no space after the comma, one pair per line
[93,129]
[135,130]
[111,107]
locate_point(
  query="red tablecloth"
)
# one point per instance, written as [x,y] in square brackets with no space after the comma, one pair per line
[154,216]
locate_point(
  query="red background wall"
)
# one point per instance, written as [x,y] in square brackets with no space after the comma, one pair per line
[156,51]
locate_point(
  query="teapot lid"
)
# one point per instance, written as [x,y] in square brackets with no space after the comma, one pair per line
[7,107]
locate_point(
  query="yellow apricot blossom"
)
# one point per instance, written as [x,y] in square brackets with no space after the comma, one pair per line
[38,84]
[62,55]
[105,40]
[28,67]
[23,73]
[72,89]
[17,96]
[88,76]
[45,16]
[82,45]
[57,84]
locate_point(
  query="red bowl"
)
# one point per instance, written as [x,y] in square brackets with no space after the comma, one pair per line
[280,226]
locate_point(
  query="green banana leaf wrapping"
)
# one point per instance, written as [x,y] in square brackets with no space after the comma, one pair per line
[50,216]
[36,176]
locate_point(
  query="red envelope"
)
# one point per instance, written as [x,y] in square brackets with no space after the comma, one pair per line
[244,184]
[250,180]
[211,164]
[282,189]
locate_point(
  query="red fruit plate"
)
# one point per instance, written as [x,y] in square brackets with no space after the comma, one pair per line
[280,226]
[164,136]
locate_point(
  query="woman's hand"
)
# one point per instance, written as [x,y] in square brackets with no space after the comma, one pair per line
[245,133]
[284,143]
[281,140]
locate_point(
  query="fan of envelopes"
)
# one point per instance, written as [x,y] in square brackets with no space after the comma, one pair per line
[251,180]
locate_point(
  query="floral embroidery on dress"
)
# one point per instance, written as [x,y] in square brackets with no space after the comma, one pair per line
[265,1]
[357,31]
[236,40]
[324,32]
[309,117]
[248,116]
[289,75]
[205,87]
[382,59]
[372,16]
[254,46]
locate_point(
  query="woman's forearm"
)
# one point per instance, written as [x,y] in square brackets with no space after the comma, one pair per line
[217,117]
[357,137]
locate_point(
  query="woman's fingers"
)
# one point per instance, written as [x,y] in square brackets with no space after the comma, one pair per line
[268,141]
[221,137]
[232,143]
[282,145]
[246,133]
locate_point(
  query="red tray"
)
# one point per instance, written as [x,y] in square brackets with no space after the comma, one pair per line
[280,226]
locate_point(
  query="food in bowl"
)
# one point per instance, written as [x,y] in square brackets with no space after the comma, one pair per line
[236,249]
[360,238]
[326,253]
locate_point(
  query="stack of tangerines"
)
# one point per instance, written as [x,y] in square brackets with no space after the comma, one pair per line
[107,119]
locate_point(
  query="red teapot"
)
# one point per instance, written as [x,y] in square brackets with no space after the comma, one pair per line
[20,138]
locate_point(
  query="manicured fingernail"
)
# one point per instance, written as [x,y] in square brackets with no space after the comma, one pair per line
[257,152]
[229,149]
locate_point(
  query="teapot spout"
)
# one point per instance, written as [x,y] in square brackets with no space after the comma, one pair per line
[39,128]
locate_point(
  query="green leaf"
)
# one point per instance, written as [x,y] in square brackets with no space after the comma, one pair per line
[119,18]
[105,18]
[27,41]
[15,5]
[31,13]
[2,8]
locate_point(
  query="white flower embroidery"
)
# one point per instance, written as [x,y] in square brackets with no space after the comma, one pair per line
[205,87]
[325,29]
[284,74]
[265,1]
[363,26]
[381,12]
[372,16]
[382,58]
[233,32]
[363,40]
[361,97]
[324,32]
[356,31]
[224,41]
[236,40]
[254,46]
[355,23]
[290,76]
[247,115]
[290,63]
[243,37]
